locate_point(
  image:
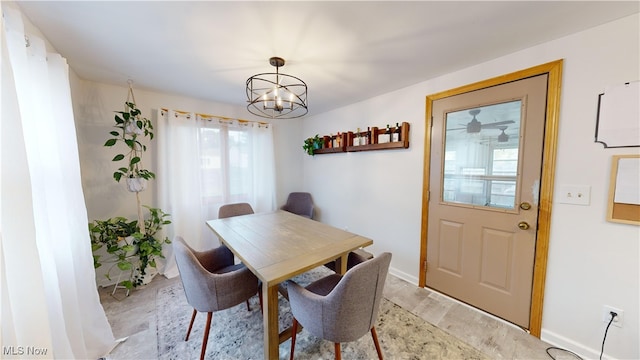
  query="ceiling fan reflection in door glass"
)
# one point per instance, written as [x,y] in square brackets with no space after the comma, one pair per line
[485,120]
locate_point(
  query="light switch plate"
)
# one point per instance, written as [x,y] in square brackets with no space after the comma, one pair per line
[574,194]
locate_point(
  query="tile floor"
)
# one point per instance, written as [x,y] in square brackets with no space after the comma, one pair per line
[134,316]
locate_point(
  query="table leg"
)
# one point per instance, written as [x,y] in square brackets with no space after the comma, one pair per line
[270,321]
[341,264]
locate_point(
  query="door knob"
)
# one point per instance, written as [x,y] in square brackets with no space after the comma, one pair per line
[523,225]
[525,206]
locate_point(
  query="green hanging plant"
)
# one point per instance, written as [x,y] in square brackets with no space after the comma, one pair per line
[131,127]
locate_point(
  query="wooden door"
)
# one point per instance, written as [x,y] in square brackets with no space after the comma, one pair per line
[486,161]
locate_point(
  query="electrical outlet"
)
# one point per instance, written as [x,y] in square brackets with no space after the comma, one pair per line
[606,315]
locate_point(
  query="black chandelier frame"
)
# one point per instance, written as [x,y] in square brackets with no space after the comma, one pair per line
[276,95]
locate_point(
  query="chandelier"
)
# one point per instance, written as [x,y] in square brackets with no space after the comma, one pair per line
[276,95]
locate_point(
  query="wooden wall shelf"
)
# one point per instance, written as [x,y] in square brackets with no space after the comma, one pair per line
[347,140]
[329,149]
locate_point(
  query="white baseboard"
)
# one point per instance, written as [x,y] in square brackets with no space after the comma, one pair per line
[568,344]
[404,276]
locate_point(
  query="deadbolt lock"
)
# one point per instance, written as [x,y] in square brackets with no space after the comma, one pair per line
[523,225]
[525,206]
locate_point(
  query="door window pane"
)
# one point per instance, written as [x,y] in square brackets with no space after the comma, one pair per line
[481,155]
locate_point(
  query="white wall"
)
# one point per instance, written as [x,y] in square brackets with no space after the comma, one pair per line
[591,262]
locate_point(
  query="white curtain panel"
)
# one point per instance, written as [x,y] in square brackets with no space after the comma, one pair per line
[204,163]
[178,183]
[263,193]
[50,303]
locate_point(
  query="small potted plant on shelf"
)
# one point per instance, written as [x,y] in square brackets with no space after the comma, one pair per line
[130,249]
[311,144]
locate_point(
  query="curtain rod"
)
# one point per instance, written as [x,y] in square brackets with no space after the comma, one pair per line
[209,116]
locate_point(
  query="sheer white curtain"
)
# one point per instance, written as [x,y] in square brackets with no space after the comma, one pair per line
[205,163]
[50,304]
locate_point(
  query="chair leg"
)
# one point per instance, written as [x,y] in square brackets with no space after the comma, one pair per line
[248,306]
[260,298]
[205,338]
[338,352]
[294,332]
[374,335]
[193,317]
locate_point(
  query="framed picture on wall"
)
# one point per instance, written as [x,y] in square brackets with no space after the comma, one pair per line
[624,192]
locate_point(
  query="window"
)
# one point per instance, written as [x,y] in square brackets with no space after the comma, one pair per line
[205,163]
[481,155]
[226,171]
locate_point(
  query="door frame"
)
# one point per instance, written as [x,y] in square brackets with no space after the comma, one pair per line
[554,70]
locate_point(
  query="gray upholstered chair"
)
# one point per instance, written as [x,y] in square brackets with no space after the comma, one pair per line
[340,308]
[355,257]
[229,210]
[212,282]
[299,203]
[237,209]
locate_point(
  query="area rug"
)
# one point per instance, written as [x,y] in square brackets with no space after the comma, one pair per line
[236,333]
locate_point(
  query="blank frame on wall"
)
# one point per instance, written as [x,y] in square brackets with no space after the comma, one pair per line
[618,121]
[624,190]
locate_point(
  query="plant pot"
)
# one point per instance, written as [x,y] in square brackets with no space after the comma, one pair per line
[132,128]
[150,273]
[128,241]
[136,184]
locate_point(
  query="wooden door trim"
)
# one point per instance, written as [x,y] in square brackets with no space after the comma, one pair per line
[554,70]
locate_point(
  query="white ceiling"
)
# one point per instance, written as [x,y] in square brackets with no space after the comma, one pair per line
[345,51]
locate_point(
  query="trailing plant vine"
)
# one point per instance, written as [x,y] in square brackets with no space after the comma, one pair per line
[130,126]
[132,250]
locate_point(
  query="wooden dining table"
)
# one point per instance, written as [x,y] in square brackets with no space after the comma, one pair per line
[277,246]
